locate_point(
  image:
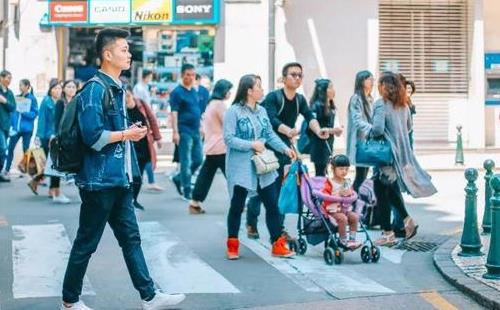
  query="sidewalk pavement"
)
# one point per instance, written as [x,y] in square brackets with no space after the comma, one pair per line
[466,273]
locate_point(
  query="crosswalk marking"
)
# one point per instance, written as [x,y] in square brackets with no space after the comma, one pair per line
[40,254]
[175,267]
[332,279]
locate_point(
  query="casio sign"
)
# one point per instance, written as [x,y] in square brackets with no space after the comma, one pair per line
[193,9]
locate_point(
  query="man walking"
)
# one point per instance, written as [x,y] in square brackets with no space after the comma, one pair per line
[186,117]
[283,108]
[109,164]
[7,106]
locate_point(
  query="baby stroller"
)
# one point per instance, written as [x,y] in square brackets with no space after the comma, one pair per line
[317,228]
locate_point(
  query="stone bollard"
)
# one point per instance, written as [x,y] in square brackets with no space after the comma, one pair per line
[471,242]
[488,165]
[459,153]
[493,261]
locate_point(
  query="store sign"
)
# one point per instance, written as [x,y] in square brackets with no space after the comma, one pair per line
[68,11]
[110,11]
[194,9]
[151,11]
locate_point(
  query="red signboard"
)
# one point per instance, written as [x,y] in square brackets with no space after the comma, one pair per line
[68,11]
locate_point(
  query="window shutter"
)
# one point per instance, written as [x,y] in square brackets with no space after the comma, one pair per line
[426,40]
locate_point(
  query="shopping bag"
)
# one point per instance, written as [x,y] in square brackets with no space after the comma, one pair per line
[36,161]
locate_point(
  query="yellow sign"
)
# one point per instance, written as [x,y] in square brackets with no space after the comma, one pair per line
[151,11]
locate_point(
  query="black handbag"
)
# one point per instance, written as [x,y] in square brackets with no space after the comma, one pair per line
[374,152]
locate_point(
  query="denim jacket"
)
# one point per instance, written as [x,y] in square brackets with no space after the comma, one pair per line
[103,163]
[242,126]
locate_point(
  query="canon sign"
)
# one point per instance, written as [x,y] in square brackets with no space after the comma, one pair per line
[68,11]
[68,8]
[194,9]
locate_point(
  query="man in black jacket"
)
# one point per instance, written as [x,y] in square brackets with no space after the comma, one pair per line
[283,108]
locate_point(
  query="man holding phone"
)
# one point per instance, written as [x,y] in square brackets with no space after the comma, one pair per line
[104,181]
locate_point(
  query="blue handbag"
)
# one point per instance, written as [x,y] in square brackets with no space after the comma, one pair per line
[374,152]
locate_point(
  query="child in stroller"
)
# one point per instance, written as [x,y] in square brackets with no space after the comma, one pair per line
[317,226]
[341,213]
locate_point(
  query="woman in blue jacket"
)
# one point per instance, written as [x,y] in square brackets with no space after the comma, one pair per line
[45,129]
[22,120]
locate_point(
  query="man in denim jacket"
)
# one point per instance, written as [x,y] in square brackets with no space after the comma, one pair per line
[109,164]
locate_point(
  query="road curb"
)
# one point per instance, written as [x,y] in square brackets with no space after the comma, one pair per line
[480,292]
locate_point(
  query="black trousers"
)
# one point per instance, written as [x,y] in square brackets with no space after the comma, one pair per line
[269,197]
[137,180]
[389,195]
[361,174]
[320,169]
[207,174]
[111,206]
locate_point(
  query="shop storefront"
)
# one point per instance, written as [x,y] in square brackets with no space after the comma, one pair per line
[164,35]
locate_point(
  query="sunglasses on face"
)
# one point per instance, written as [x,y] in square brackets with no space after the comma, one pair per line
[296,75]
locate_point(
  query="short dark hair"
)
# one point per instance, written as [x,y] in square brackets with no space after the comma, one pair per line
[146,73]
[108,36]
[186,67]
[5,73]
[289,65]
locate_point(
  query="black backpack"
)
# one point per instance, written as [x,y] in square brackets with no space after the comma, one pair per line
[67,148]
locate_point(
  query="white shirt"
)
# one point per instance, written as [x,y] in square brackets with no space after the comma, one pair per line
[141,91]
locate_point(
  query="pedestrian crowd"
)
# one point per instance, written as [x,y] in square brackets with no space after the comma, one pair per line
[253,141]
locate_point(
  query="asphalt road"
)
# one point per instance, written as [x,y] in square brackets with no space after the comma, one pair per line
[186,253]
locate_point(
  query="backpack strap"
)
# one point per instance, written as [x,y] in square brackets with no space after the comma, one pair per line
[281,99]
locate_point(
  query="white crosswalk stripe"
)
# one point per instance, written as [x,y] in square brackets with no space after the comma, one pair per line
[175,267]
[311,273]
[40,254]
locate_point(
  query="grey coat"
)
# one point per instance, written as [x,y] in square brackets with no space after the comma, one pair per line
[358,125]
[395,125]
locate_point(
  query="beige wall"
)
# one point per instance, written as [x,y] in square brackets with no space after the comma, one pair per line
[333,39]
[34,55]
[492,25]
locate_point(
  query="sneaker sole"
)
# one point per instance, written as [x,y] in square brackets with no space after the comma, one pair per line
[284,256]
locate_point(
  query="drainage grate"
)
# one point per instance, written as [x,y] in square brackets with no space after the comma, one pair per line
[422,244]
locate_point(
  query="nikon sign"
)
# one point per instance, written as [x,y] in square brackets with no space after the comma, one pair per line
[194,10]
[151,12]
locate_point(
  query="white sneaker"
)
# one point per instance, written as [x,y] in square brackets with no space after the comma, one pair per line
[62,199]
[162,301]
[76,306]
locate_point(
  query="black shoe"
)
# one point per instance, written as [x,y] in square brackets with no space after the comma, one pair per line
[400,233]
[138,206]
[4,178]
[252,232]
[177,184]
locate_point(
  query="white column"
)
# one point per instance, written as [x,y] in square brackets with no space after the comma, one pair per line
[475,107]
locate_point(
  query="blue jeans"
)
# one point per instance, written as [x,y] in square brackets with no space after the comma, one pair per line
[191,157]
[3,147]
[26,136]
[113,206]
[150,172]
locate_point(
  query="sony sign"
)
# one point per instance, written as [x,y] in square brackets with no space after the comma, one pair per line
[194,9]
[110,12]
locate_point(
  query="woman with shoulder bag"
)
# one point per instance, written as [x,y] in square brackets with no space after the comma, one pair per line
[391,120]
[246,131]
[323,106]
[359,122]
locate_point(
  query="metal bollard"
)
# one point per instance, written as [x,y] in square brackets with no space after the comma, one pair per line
[459,153]
[488,165]
[471,242]
[493,260]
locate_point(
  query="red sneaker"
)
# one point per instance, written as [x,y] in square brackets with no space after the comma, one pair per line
[233,245]
[280,248]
